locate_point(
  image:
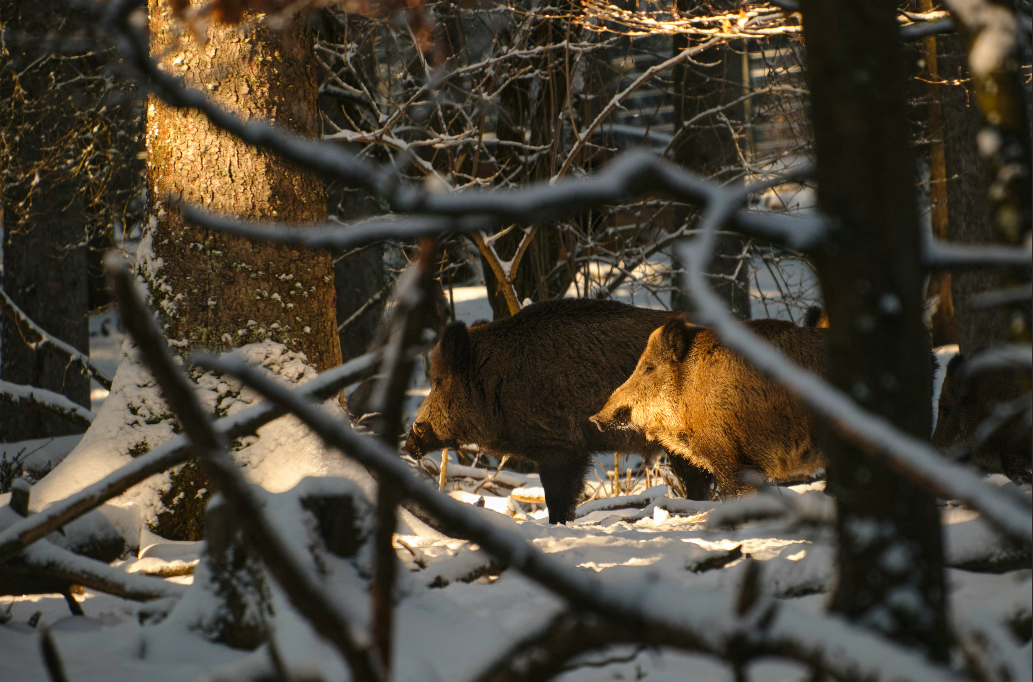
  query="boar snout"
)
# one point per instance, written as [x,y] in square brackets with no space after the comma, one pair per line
[415,444]
[620,419]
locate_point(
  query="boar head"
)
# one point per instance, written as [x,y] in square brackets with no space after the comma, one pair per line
[446,417]
[651,397]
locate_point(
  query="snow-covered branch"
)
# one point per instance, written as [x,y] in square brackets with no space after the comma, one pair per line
[51,560]
[304,589]
[692,620]
[631,175]
[170,454]
[909,455]
[944,255]
[41,398]
[39,340]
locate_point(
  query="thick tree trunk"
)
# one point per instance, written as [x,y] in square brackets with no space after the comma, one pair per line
[44,266]
[969,209]
[890,548]
[942,328]
[215,291]
[707,146]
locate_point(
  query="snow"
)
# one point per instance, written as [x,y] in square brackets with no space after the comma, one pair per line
[447,629]
[457,609]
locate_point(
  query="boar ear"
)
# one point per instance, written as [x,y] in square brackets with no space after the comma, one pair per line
[455,347]
[676,337]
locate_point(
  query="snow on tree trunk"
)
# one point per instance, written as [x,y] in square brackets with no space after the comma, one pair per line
[890,549]
[216,291]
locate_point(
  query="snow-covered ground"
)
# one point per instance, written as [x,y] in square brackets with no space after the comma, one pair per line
[446,633]
[446,628]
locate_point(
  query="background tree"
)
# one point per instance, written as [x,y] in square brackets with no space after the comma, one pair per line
[70,135]
[706,141]
[888,528]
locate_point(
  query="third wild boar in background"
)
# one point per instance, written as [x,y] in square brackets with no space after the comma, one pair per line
[526,386]
[704,402]
[974,415]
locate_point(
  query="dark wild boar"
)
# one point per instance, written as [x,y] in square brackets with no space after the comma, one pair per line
[973,415]
[704,402]
[526,386]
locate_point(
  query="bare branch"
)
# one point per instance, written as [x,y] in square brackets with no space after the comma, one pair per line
[505,283]
[38,340]
[304,589]
[617,99]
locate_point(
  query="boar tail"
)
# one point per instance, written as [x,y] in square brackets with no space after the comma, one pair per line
[815,317]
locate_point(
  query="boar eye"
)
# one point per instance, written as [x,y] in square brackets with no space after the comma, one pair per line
[647,369]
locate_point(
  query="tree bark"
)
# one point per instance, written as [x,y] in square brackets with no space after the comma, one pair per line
[969,208]
[707,146]
[890,550]
[939,287]
[216,291]
[44,252]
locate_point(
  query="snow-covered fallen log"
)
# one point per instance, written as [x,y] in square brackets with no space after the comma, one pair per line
[466,566]
[808,508]
[44,558]
[508,479]
[639,501]
[975,546]
[41,398]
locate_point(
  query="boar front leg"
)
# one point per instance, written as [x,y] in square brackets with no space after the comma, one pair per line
[563,485]
[694,480]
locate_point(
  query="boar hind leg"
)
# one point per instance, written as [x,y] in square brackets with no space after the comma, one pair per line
[563,486]
[695,481]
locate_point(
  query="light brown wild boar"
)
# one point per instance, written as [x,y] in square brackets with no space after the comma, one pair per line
[704,402]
